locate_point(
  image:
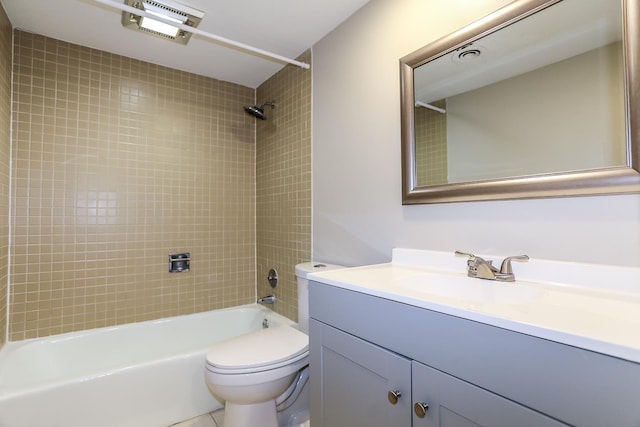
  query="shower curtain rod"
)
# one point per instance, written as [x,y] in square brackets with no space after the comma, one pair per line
[192,30]
[431,107]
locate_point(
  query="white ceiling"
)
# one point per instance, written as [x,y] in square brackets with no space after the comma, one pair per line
[284,27]
[569,30]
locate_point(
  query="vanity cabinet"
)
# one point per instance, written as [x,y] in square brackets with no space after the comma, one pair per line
[363,347]
[355,379]
[363,385]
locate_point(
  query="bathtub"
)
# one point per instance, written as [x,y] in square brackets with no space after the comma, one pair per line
[148,374]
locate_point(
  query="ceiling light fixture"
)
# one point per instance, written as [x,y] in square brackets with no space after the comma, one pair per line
[132,17]
[168,12]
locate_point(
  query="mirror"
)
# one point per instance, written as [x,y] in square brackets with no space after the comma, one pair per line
[538,99]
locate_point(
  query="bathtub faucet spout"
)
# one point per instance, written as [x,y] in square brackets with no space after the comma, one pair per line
[269,299]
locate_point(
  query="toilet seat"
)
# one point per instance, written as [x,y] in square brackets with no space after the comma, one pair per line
[263,350]
[265,368]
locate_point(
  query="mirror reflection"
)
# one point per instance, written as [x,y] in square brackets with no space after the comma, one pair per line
[542,96]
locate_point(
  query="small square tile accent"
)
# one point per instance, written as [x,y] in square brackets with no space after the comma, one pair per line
[118,163]
[283,183]
[431,145]
[6,38]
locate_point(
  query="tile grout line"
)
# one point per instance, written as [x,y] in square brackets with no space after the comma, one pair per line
[214,420]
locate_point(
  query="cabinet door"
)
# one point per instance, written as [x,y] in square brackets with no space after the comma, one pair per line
[456,403]
[351,379]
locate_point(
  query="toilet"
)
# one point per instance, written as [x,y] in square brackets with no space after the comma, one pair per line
[254,371]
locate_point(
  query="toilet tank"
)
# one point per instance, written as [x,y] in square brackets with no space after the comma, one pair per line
[302,272]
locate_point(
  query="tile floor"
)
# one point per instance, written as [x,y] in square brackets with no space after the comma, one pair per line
[214,419]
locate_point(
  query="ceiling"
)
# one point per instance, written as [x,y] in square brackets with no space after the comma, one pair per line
[283,27]
[569,30]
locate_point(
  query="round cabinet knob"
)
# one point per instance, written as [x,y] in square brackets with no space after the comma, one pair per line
[421,408]
[393,396]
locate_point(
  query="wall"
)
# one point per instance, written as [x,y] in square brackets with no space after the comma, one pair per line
[118,163]
[283,183]
[357,213]
[560,117]
[5,156]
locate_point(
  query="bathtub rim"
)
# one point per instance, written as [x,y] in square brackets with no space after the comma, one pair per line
[7,392]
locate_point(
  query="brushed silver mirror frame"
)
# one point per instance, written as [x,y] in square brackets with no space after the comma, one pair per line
[614,180]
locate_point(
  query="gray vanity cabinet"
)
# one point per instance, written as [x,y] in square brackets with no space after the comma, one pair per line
[363,347]
[353,379]
[358,384]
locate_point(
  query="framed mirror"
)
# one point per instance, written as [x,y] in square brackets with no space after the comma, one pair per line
[539,99]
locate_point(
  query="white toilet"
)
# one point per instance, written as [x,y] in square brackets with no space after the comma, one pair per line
[252,371]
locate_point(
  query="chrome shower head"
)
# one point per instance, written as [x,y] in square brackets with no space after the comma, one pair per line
[257,111]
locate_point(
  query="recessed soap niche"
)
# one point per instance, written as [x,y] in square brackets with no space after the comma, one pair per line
[179,263]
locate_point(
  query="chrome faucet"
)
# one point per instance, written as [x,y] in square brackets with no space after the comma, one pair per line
[484,269]
[269,299]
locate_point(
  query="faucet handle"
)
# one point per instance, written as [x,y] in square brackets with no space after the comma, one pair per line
[505,267]
[472,257]
[474,262]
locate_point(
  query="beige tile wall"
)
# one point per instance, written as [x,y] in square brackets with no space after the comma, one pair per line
[283,183]
[5,156]
[118,163]
[431,145]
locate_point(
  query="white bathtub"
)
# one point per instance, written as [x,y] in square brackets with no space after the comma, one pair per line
[148,374]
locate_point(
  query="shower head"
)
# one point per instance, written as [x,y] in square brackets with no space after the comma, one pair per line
[257,111]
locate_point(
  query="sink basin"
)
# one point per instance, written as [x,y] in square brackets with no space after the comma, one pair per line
[462,287]
[589,306]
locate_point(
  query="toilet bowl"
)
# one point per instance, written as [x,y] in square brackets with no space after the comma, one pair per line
[250,371]
[263,372]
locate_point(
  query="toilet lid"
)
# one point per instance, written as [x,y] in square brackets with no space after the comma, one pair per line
[265,347]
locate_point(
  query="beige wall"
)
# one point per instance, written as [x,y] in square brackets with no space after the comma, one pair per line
[283,183]
[118,163]
[5,156]
[567,116]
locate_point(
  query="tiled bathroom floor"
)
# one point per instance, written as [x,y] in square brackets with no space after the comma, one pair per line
[214,419]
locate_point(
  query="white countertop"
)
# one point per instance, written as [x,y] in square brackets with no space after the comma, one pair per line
[595,307]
